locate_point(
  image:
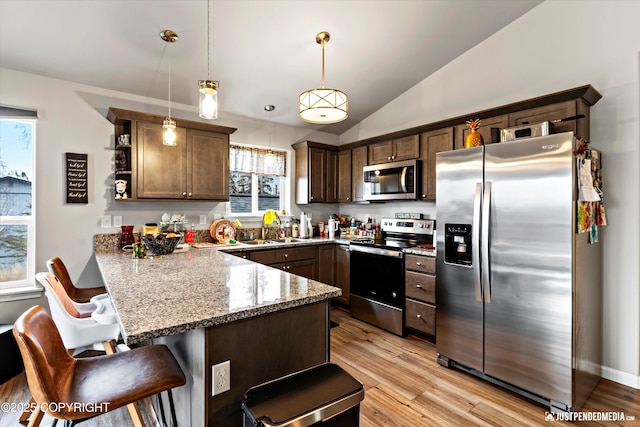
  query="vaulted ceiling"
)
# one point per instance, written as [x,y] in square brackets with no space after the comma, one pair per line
[261,51]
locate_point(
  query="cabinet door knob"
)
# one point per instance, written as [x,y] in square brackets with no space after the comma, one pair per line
[286,255]
[348,198]
[419,286]
[418,316]
[184,194]
[424,196]
[190,194]
[418,263]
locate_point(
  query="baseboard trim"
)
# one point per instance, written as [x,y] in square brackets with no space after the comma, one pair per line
[621,377]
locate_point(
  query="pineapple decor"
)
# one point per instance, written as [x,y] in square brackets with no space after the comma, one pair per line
[473,138]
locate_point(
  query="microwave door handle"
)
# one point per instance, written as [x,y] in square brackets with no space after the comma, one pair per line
[403,179]
[486,222]
[475,242]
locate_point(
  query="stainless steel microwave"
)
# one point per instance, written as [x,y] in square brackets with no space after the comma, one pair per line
[392,181]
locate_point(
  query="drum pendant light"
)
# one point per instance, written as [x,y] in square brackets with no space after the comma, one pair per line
[169,125]
[324,105]
[208,89]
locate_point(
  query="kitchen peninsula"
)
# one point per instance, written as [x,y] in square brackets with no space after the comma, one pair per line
[209,307]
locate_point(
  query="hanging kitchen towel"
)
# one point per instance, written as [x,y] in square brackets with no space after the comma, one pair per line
[585,181]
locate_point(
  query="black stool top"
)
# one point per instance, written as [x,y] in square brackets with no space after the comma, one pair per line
[303,398]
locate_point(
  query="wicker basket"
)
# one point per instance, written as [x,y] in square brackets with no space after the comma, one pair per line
[161,244]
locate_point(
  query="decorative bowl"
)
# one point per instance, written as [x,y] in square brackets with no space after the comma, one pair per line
[161,244]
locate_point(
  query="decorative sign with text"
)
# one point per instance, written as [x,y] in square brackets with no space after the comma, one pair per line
[77,178]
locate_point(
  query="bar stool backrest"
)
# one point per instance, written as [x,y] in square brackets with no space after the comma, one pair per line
[45,358]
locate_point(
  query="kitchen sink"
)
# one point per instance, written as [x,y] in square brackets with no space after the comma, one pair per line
[257,242]
[287,240]
[271,241]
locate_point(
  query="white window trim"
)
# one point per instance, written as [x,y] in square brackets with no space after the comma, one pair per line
[285,190]
[24,289]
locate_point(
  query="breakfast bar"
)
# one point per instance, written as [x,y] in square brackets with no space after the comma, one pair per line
[210,307]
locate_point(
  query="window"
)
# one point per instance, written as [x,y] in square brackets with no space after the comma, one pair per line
[256,180]
[17,210]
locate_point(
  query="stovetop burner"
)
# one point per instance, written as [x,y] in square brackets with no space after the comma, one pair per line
[402,233]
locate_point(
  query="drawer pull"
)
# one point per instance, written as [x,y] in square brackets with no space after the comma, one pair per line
[418,263]
[286,255]
[418,316]
[419,286]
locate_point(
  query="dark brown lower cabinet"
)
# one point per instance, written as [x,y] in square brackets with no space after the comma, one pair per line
[342,272]
[302,261]
[420,294]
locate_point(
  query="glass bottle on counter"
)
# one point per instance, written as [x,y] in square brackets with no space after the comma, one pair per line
[126,236]
[189,235]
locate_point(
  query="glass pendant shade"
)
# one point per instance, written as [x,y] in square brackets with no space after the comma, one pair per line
[169,132]
[323,106]
[208,99]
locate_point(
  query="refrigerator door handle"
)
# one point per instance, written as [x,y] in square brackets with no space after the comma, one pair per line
[475,242]
[486,221]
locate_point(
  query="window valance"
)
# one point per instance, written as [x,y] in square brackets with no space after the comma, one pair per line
[257,160]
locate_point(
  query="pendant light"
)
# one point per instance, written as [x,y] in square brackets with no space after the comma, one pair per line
[269,158]
[208,89]
[323,106]
[169,125]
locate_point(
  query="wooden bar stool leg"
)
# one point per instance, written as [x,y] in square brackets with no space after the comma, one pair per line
[136,416]
[109,347]
[27,412]
[36,417]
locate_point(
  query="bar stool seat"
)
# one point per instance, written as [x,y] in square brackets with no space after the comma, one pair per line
[324,394]
[76,389]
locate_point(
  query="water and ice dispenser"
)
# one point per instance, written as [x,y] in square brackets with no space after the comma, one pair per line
[457,244]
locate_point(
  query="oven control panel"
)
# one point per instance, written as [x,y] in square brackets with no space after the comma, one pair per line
[413,226]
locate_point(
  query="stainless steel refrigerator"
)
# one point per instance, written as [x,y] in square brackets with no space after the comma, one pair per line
[518,289]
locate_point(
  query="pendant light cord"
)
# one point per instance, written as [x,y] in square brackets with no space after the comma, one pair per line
[323,43]
[208,40]
[169,55]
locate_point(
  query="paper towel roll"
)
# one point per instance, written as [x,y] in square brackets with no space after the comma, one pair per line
[303,226]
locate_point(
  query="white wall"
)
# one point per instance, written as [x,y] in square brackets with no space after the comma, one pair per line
[559,45]
[72,118]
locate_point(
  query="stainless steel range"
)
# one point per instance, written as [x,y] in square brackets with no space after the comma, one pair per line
[377,272]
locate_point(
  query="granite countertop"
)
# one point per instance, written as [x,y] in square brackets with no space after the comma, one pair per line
[171,294]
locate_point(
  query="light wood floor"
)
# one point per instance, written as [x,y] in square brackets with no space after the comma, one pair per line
[406,387]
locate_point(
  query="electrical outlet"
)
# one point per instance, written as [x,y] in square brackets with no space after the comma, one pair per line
[106,221]
[117,220]
[220,378]
[203,219]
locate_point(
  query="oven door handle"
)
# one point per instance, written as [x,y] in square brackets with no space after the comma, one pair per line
[376,251]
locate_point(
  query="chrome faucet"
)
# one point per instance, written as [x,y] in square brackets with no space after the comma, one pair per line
[267,220]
